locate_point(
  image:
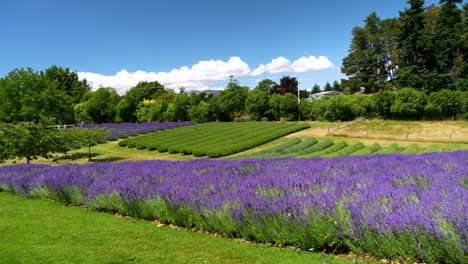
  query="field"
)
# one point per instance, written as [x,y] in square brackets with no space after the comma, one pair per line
[213,139]
[333,198]
[35,231]
[382,204]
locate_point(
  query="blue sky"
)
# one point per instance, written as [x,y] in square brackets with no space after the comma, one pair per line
[195,44]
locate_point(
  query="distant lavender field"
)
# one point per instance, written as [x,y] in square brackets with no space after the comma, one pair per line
[391,205]
[123,130]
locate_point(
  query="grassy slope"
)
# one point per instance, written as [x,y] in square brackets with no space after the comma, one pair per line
[381,132]
[35,231]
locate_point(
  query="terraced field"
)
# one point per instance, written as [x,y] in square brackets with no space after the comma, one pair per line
[311,147]
[213,139]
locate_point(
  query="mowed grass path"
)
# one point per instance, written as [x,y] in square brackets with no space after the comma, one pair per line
[36,231]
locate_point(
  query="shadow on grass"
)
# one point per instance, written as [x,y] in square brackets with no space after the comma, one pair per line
[84,155]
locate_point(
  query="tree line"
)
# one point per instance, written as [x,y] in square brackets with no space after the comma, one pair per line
[423,48]
[410,67]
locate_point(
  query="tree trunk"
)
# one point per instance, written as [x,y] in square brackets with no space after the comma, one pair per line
[89,153]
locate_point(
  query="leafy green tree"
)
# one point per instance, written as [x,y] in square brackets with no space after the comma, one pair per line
[181,104]
[383,101]
[68,82]
[316,89]
[26,95]
[194,99]
[101,104]
[257,104]
[283,106]
[26,140]
[200,113]
[127,107]
[268,86]
[409,104]
[232,99]
[338,108]
[306,109]
[90,137]
[444,104]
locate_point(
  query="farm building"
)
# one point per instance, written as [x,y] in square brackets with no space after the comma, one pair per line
[322,94]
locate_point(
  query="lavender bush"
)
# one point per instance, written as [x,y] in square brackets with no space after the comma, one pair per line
[123,130]
[391,205]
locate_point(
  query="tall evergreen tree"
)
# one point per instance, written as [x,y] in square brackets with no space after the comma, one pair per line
[450,47]
[369,62]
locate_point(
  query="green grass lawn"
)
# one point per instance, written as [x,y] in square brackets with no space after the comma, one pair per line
[36,231]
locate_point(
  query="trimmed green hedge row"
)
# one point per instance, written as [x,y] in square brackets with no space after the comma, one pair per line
[347,150]
[369,150]
[215,139]
[392,148]
[411,149]
[433,148]
[331,149]
[317,147]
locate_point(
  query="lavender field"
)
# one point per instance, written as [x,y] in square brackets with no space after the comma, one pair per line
[123,130]
[414,206]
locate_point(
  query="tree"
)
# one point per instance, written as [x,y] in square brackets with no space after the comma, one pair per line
[268,86]
[101,104]
[288,85]
[417,63]
[68,82]
[450,48]
[336,86]
[444,104]
[232,99]
[327,87]
[90,137]
[369,63]
[26,95]
[409,104]
[200,113]
[316,89]
[257,104]
[127,107]
[26,140]
[383,101]
[181,104]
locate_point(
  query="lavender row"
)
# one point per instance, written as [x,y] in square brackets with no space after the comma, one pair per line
[123,130]
[390,205]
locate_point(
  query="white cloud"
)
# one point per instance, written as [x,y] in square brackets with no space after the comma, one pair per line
[303,64]
[311,63]
[280,64]
[197,77]
[204,74]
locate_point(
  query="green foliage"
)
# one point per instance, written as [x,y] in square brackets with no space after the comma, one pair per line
[369,150]
[232,100]
[27,140]
[257,104]
[411,149]
[200,112]
[350,149]
[100,104]
[409,104]
[370,61]
[321,145]
[392,148]
[204,139]
[90,137]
